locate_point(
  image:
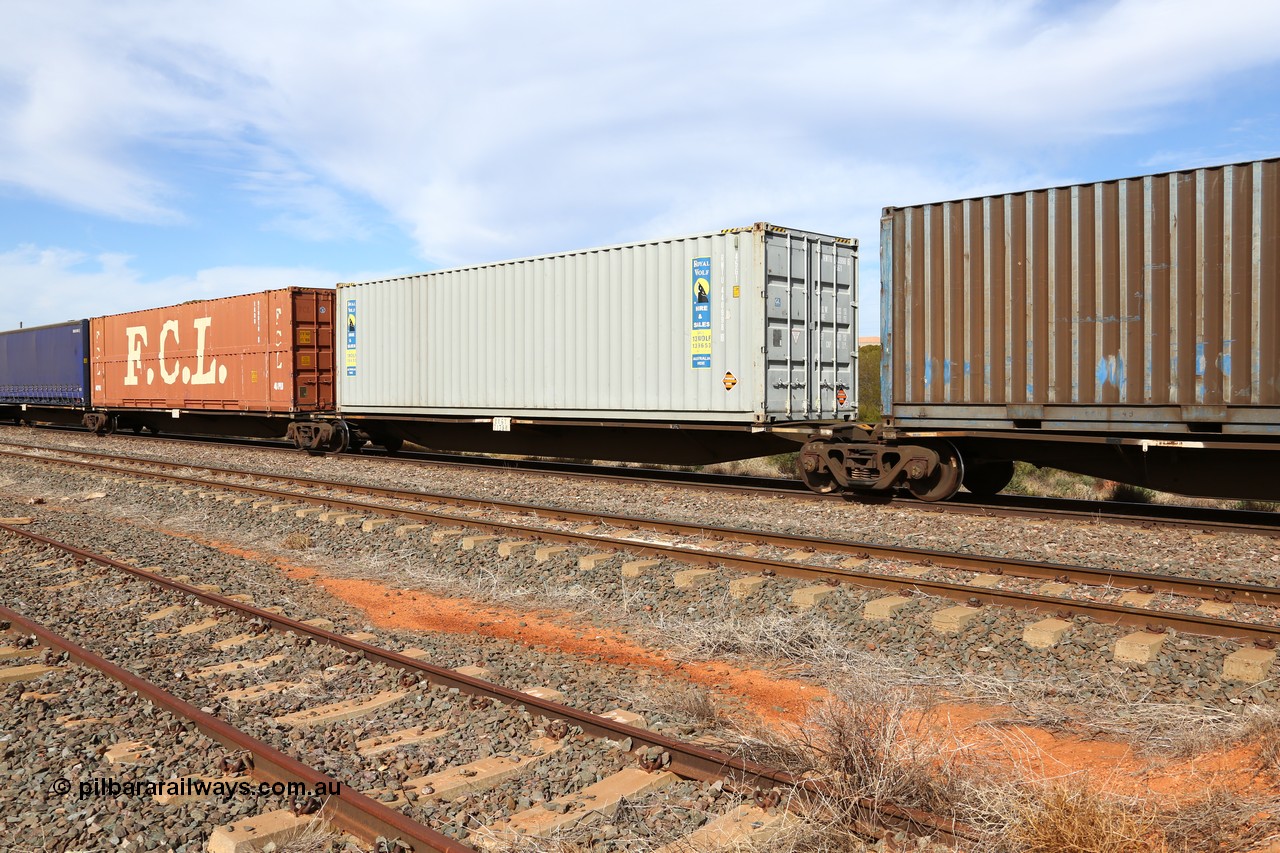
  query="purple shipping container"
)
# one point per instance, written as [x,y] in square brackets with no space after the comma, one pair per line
[45,365]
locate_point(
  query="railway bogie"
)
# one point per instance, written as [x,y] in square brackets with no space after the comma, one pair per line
[320,436]
[864,462]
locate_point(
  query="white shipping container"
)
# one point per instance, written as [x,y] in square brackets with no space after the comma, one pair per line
[746,326]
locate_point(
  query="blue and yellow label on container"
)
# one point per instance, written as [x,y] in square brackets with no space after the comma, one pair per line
[700,336]
[351,337]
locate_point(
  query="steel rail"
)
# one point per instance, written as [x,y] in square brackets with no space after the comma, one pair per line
[689,760]
[349,810]
[686,759]
[999,506]
[1220,590]
[1145,516]
[1156,620]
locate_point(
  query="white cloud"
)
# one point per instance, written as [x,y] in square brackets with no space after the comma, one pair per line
[59,284]
[491,129]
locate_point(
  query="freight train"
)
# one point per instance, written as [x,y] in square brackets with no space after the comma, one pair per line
[1125,329]
[688,350]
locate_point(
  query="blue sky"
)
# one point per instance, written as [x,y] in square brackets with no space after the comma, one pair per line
[153,152]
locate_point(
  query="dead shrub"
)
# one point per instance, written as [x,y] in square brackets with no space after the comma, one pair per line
[879,748]
[876,746]
[867,746]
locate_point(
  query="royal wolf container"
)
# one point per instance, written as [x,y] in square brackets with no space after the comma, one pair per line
[1148,304]
[686,350]
[45,365]
[746,326]
[269,352]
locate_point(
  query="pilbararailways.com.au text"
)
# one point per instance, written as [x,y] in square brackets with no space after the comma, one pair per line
[202,788]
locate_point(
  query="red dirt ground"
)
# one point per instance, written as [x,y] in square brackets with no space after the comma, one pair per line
[779,701]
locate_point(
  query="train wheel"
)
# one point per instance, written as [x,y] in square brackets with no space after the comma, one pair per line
[988,478]
[944,481]
[392,445]
[814,472]
[819,481]
[341,438]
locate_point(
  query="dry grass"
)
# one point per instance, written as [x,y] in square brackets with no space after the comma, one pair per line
[877,739]
[1126,493]
[1097,707]
[1257,506]
[686,703]
[319,837]
[1221,820]
[297,541]
[778,465]
[582,838]
[1267,739]
[881,745]
[1072,817]
[1052,483]
[804,638]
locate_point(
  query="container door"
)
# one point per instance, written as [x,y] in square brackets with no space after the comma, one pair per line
[313,349]
[810,282]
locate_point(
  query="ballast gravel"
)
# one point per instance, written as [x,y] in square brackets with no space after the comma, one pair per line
[140,626]
[1244,558]
[1187,668]
[56,784]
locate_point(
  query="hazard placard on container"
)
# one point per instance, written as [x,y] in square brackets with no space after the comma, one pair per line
[841,396]
[729,381]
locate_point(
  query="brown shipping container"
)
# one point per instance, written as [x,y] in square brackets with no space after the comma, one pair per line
[262,352]
[1144,304]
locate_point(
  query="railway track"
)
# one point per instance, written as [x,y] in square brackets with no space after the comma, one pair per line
[1147,516]
[1154,603]
[163,625]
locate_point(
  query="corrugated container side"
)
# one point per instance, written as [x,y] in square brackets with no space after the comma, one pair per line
[746,325]
[1150,301]
[261,352]
[45,365]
